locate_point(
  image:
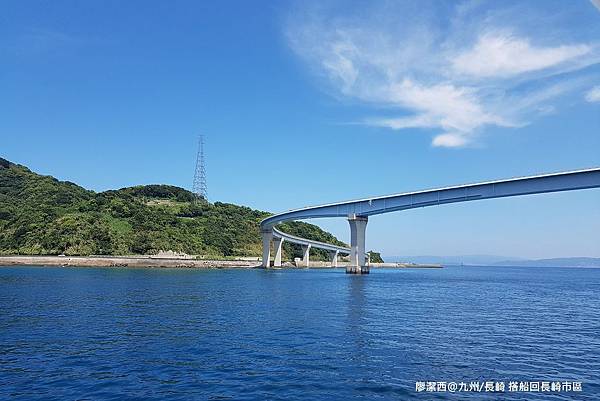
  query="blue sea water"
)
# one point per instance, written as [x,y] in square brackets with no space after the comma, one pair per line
[153,334]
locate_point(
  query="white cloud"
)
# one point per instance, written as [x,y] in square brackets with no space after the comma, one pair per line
[450,140]
[454,76]
[339,63]
[502,55]
[456,110]
[593,95]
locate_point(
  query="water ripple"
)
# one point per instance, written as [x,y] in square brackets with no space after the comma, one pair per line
[135,334]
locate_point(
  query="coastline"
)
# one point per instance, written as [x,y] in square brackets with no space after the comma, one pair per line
[122,261]
[402,265]
[162,262]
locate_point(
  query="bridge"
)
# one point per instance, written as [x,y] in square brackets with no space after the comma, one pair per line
[279,237]
[358,211]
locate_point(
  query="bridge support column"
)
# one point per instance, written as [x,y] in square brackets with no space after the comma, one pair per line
[278,245]
[358,230]
[267,236]
[306,255]
[333,255]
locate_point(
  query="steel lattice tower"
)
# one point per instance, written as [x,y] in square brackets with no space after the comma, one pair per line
[199,188]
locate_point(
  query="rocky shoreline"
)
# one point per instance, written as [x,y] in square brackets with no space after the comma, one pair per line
[163,262]
[122,261]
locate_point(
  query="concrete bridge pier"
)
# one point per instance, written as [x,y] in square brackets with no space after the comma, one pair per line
[358,230]
[267,236]
[333,256]
[278,246]
[306,255]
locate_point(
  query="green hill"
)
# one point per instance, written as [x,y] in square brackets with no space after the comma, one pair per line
[40,215]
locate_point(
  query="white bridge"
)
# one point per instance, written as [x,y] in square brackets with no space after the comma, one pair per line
[358,211]
[279,237]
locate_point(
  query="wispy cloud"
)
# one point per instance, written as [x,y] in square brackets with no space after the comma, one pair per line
[450,68]
[503,55]
[593,95]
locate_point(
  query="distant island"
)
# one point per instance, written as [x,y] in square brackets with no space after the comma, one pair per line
[494,260]
[553,262]
[40,215]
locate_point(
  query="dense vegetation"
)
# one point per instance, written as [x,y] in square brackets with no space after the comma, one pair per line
[40,215]
[375,257]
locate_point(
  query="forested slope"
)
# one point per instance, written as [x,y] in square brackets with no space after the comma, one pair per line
[42,215]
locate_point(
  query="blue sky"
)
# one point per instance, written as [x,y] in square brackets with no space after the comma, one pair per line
[311,102]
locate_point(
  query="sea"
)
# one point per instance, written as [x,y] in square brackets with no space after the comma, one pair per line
[457,333]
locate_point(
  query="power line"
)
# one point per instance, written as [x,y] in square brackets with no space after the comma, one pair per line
[199,188]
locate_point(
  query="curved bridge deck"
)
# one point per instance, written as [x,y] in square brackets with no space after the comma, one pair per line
[279,237]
